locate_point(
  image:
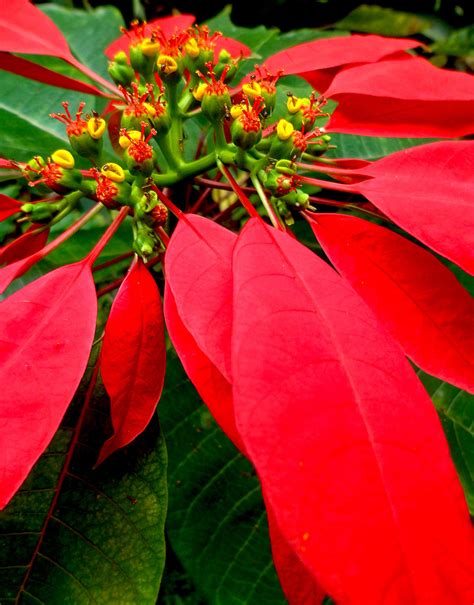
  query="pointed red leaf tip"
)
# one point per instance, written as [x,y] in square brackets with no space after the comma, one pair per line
[30,242]
[199,256]
[412,293]
[8,206]
[25,29]
[346,442]
[32,71]
[169,26]
[429,191]
[47,333]
[319,61]
[133,357]
[198,311]
[402,98]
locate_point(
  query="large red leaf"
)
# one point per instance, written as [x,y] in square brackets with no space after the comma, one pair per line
[169,26]
[47,333]
[133,357]
[402,98]
[346,442]
[25,29]
[33,71]
[8,206]
[415,296]
[30,242]
[429,191]
[318,61]
[191,257]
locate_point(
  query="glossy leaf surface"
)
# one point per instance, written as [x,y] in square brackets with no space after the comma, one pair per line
[80,534]
[402,98]
[47,332]
[133,357]
[412,293]
[330,411]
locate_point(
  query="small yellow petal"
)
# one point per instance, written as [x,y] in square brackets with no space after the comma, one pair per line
[252,89]
[63,158]
[114,172]
[124,141]
[166,64]
[284,130]
[96,127]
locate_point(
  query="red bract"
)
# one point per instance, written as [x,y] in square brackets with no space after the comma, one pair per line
[199,259]
[133,357]
[330,413]
[33,71]
[437,210]
[402,98]
[47,331]
[319,61]
[8,206]
[415,296]
[199,290]
[25,29]
[168,25]
[30,242]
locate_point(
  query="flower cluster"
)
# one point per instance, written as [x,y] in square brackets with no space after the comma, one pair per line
[301,363]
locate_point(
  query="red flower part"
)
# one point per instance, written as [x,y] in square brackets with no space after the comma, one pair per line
[31,241]
[139,149]
[330,410]
[319,61]
[8,206]
[250,116]
[414,295]
[133,357]
[167,25]
[50,173]
[74,126]
[215,86]
[204,39]
[26,29]
[106,188]
[301,140]
[402,97]
[266,79]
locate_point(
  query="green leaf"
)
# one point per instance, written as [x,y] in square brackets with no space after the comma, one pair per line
[369,148]
[88,33]
[81,536]
[459,44]
[384,21]
[216,520]
[456,411]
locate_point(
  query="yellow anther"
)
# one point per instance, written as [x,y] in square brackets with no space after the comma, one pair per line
[284,130]
[151,111]
[124,141]
[199,91]
[149,47]
[114,172]
[63,158]
[252,89]
[96,127]
[192,49]
[294,104]
[166,64]
[236,111]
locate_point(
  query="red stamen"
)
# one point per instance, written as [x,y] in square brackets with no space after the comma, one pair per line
[74,127]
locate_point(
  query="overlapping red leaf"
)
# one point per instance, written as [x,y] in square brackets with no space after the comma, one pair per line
[345,440]
[8,206]
[403,98]
[198,259]
[47,334]
[133,357]
[31,241]
[414,295]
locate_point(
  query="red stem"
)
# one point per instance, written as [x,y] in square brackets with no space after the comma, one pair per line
[104,240]
[246,203]
[167,202]
[113,261]
[329,184]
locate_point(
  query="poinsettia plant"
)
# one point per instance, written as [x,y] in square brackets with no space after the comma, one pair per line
[297,282]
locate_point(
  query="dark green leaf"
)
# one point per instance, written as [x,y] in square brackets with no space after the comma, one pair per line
[384,21]
[102,540]
[370,148]
[456,412]
[216,521]
[460,43]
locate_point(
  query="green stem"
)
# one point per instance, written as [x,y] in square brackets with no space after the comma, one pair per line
[273,216]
